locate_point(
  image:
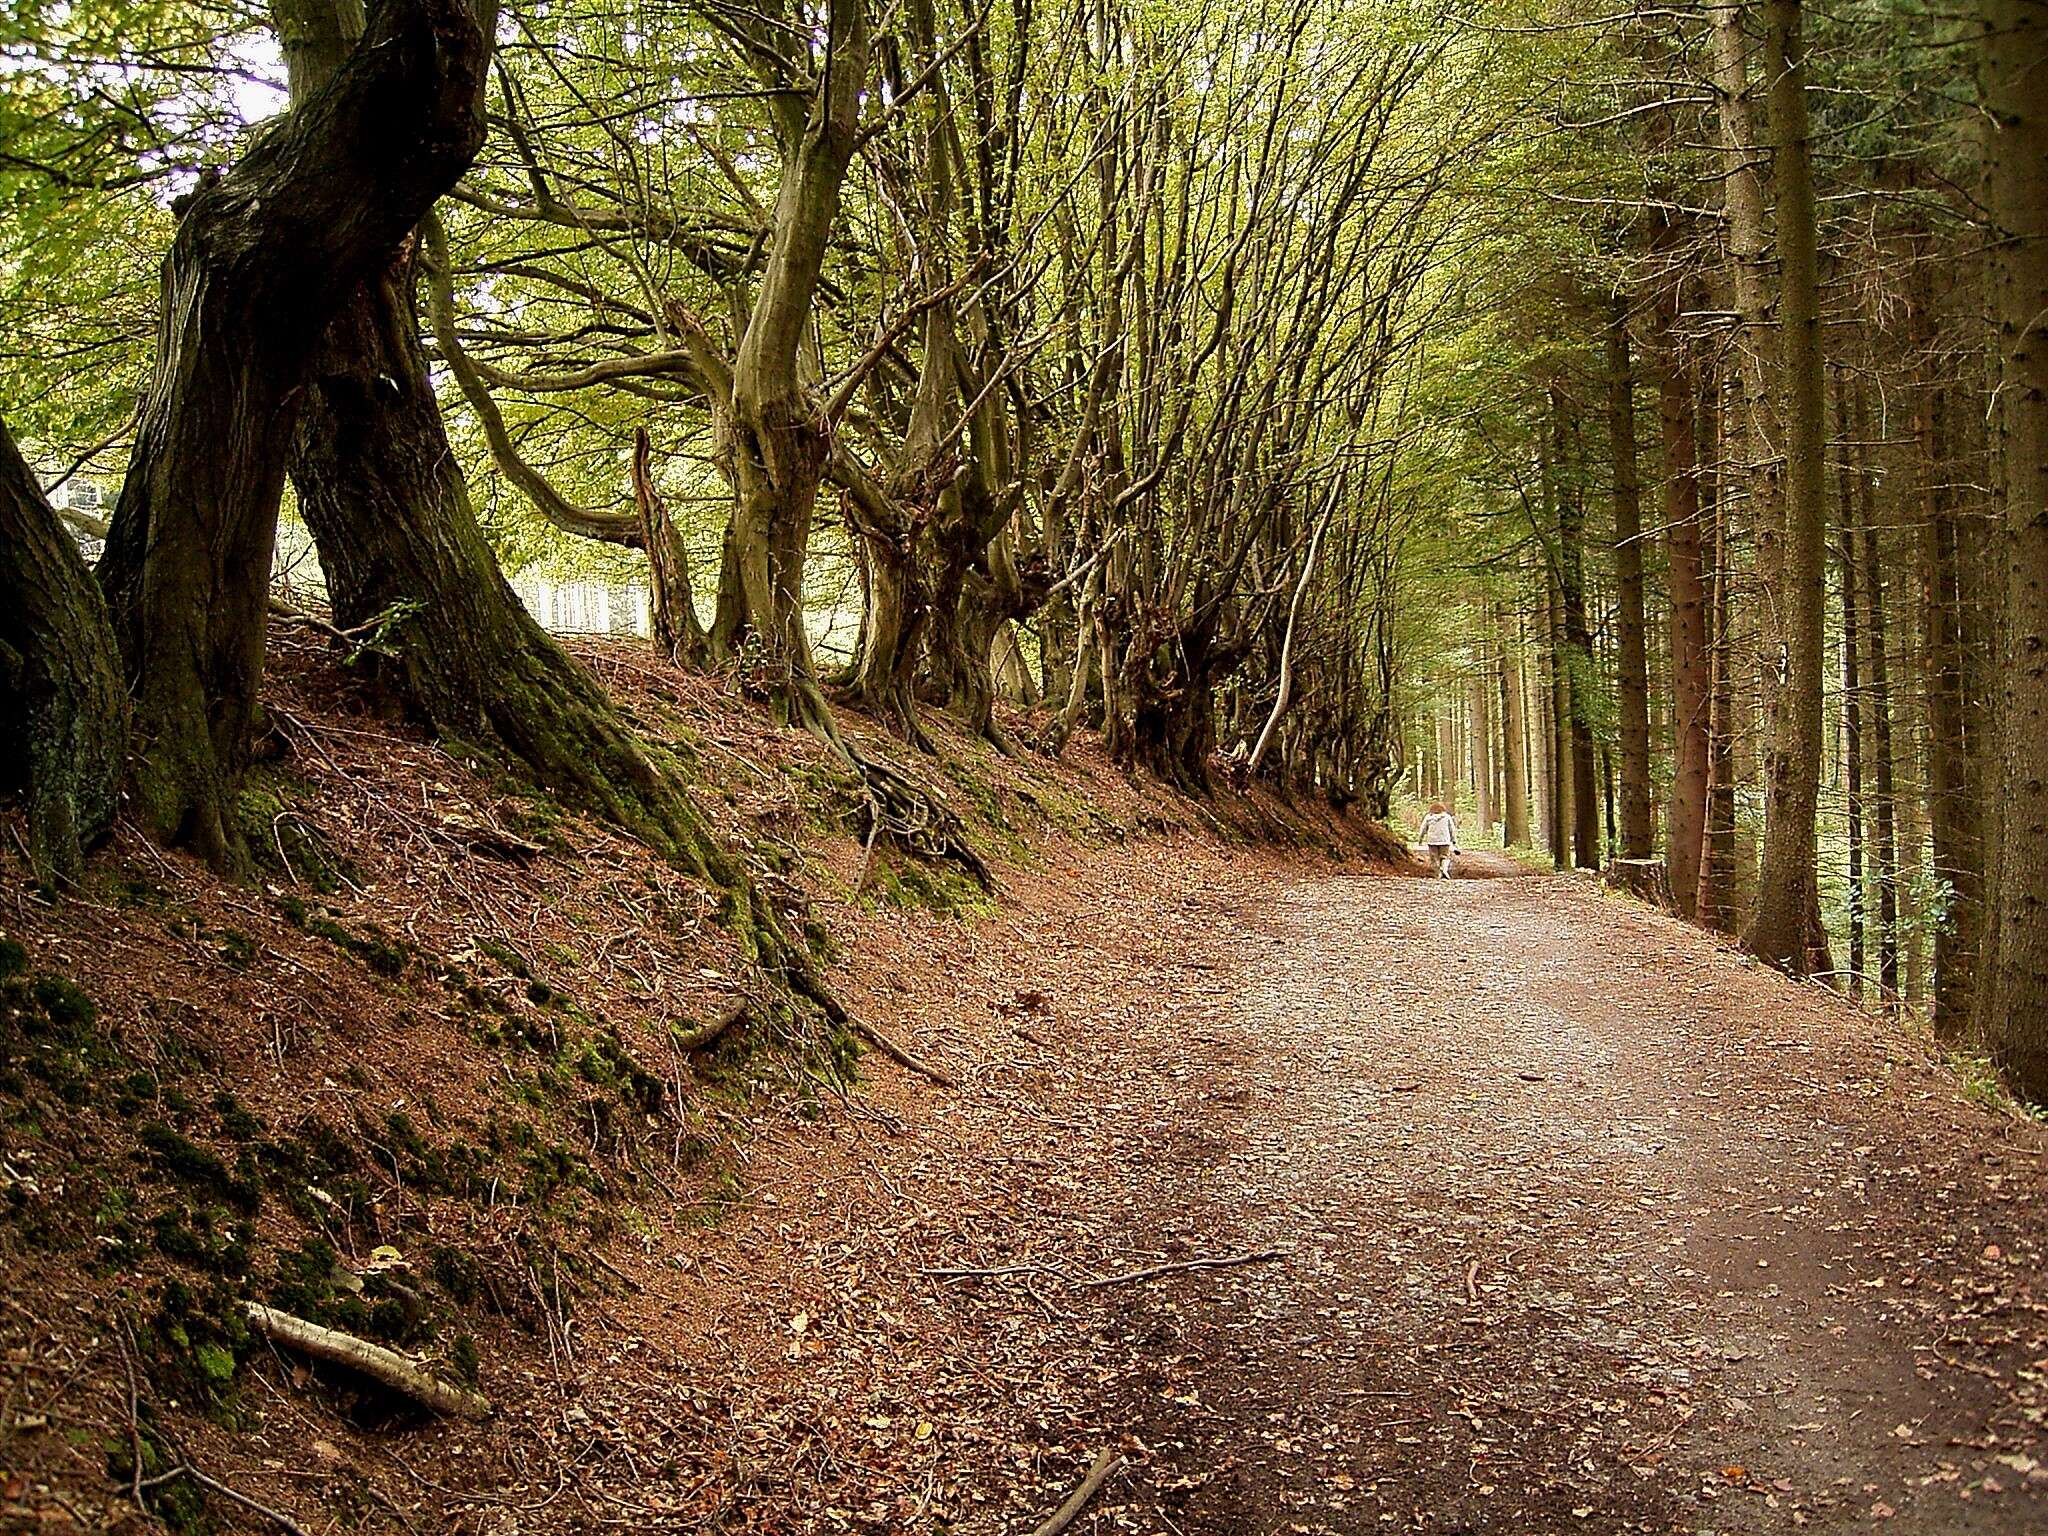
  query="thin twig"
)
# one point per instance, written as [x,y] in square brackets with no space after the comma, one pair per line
[898,1054]
[1225,1261]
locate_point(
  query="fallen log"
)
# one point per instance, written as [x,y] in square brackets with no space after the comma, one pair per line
[384,1366]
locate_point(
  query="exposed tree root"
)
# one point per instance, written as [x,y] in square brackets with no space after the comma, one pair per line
[917,818]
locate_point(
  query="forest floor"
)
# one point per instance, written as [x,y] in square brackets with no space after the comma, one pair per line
[1577,1221]
[1485,1205]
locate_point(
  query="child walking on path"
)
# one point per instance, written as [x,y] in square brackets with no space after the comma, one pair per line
[1440,837]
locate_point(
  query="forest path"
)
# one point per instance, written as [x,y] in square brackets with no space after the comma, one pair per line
[1562,1217]
[1588,1224]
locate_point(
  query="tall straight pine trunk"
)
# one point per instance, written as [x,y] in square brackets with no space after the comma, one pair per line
[1785,928]
[2015,62]
[1686,810]
[1514,745]
[1852,681]
[1877,702]
[1632,670]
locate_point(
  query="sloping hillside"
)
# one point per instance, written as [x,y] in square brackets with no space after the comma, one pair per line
[483,1082]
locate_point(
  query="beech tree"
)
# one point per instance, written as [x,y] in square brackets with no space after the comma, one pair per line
[252,278]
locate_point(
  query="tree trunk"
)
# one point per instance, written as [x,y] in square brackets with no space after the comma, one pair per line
[1785,929]
[2015,52]
[1686,811]
[1852,686]
[776,435]
[1576,656]
[61,692]
[1514,735]
[1957,857]
[1482,744]
[1632,670]
[380,488]
[678,633]
[1878,707]
[1562,785]
[262,259]
[1716,903]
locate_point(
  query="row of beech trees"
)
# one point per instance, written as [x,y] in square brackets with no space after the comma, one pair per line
[1778,481]
[1073,329]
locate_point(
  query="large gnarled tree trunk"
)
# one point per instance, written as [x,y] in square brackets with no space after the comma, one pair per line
[380,488]
[262,259]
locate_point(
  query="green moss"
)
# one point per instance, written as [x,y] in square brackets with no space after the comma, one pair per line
[13,958]
[375,948]
[195,1341]
[48,1033]
[457,1273]
[506,956]
[936,888]
[190,1163]
[464,1359]
[239,1124]
[604,1060]
[64,1004]
[283,843]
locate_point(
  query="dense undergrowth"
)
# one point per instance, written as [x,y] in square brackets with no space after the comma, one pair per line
[449,1046]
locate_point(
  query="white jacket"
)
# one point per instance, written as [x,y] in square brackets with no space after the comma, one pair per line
[1439,830]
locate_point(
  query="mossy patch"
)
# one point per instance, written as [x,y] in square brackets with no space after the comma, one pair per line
[379,951]
[939,888]
[284,844]
[49,1033]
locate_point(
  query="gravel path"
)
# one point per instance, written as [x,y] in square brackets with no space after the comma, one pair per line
[1589,1225]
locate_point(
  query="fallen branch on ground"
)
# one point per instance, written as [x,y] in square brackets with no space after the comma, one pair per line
[384,1366]
[1105,1466]
[897,1053]
[283,1521]
[1219,1261]
[1225,1261]
[707,1033]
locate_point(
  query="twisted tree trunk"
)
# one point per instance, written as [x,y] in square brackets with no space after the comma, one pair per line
[389,509]
[262,260]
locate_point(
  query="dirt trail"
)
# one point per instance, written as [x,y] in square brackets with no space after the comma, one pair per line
[1590,1224]
[1585,1223]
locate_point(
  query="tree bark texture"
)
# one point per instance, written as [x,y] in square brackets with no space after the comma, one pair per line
[2015,58]
[1514,735]
[1785,928]
[1632,672]
[61,692]
[1686,810]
